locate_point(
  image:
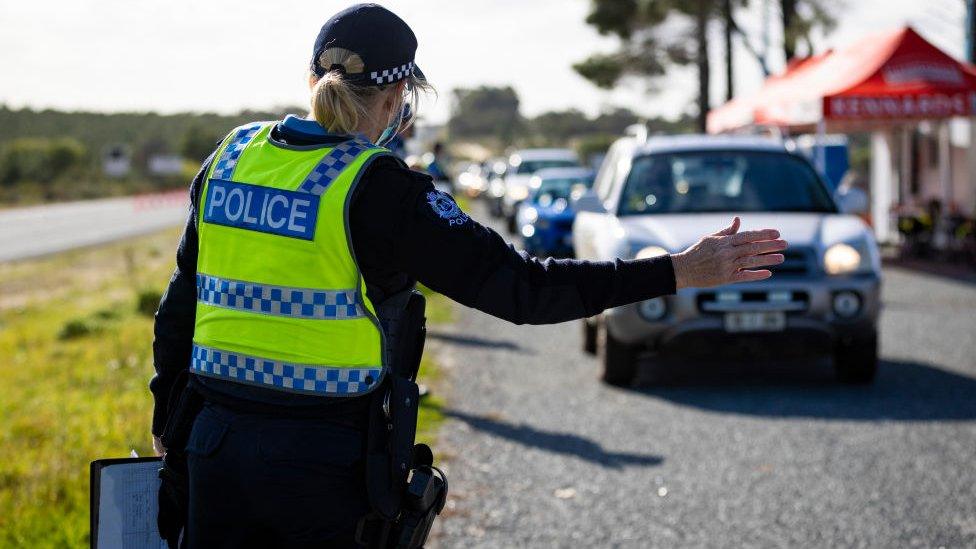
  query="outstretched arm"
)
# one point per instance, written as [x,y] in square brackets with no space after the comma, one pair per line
[473,265]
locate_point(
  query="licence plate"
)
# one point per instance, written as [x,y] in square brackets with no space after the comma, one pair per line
[755,321]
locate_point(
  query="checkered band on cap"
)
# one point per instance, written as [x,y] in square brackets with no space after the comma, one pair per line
[395,74]
[224,168]
[279,300]
[332,164]
[305,378]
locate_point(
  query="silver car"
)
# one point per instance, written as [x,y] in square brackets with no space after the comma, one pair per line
[658,196]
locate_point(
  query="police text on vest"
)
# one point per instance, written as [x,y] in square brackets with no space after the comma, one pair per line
[264,209]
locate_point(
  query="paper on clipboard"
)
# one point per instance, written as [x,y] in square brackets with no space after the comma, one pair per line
[124,503]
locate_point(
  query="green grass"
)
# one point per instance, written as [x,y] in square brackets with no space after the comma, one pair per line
[75,360]
[440,310]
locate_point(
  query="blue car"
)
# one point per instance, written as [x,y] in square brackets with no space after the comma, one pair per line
[545,218]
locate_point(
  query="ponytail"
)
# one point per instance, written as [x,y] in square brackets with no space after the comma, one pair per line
[339,105]
[335,103]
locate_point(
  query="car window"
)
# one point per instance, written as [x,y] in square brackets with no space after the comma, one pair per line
[722,181]
[532,166]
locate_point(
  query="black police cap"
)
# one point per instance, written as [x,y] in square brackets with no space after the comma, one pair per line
[382,40]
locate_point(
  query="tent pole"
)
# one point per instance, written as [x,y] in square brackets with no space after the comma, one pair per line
[971,162]
[905,166]
[945,165]
[881,185]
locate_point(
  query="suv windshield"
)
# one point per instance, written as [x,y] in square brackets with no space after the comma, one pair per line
[532,166]
[551,190]
[722,181]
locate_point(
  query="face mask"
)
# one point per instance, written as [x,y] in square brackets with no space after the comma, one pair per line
[394,127]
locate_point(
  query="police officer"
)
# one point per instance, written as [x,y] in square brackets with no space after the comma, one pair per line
[299,232]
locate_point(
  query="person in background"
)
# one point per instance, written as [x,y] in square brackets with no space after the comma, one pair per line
[437,164]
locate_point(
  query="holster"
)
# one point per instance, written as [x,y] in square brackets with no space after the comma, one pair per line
[185,404]
[392,458]
[404,331]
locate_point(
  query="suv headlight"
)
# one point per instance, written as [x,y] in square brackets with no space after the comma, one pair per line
[844,258]
[650,251]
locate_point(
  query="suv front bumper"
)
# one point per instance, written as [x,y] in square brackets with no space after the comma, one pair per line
[694,321]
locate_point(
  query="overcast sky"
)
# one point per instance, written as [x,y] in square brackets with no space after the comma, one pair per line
[223,55]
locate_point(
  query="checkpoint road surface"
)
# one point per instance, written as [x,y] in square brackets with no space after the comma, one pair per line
[41,230]
[541,454]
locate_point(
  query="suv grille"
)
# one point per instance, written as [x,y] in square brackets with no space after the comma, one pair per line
[725,301]
[797,262]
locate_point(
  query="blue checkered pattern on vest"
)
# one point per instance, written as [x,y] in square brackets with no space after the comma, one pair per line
[279,300]
[304,378]
[331,165]
[224,168]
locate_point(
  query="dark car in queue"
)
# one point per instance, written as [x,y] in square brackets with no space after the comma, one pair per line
[545,218]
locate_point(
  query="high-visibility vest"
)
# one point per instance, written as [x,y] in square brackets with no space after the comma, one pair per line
[281,302]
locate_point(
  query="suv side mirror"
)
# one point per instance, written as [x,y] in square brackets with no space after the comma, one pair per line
[589,202]
[852,200]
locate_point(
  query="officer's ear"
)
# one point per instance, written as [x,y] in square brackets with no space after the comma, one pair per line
[394,97]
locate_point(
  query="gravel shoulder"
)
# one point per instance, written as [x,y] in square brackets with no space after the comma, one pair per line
[541,454]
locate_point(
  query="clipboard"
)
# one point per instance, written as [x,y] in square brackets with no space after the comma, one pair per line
[124,503]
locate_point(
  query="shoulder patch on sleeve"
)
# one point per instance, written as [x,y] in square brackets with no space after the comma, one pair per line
[445,209]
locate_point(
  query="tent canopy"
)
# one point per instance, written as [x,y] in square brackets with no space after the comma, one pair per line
[881,80]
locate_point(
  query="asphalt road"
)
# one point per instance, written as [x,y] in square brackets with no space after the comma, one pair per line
[540,453]
[41,230]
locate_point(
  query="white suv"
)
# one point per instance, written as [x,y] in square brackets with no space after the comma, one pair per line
[658,196]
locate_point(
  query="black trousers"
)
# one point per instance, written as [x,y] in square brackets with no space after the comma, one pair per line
[265,481]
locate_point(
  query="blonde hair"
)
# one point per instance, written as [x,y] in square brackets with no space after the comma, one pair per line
[339,105]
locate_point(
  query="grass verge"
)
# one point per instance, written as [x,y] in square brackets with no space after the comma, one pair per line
[75,343]
[440,310]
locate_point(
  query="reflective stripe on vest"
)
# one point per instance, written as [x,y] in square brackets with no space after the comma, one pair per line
[295,377]
[280,300]
[225,165]
[331,166]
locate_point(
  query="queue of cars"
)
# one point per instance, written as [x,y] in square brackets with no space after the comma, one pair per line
[532,191]
[658,196]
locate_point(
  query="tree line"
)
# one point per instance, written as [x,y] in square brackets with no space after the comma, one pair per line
[656,35]
[491,115]
[56,155]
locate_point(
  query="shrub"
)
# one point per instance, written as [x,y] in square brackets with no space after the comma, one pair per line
[107,314]
[39,160]
[77,327]
[147,301]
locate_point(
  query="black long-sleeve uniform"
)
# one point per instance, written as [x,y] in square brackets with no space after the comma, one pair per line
[399,238]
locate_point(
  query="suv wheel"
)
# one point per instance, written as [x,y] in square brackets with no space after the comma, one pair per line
[619,360]
[589,337]
[857,362]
